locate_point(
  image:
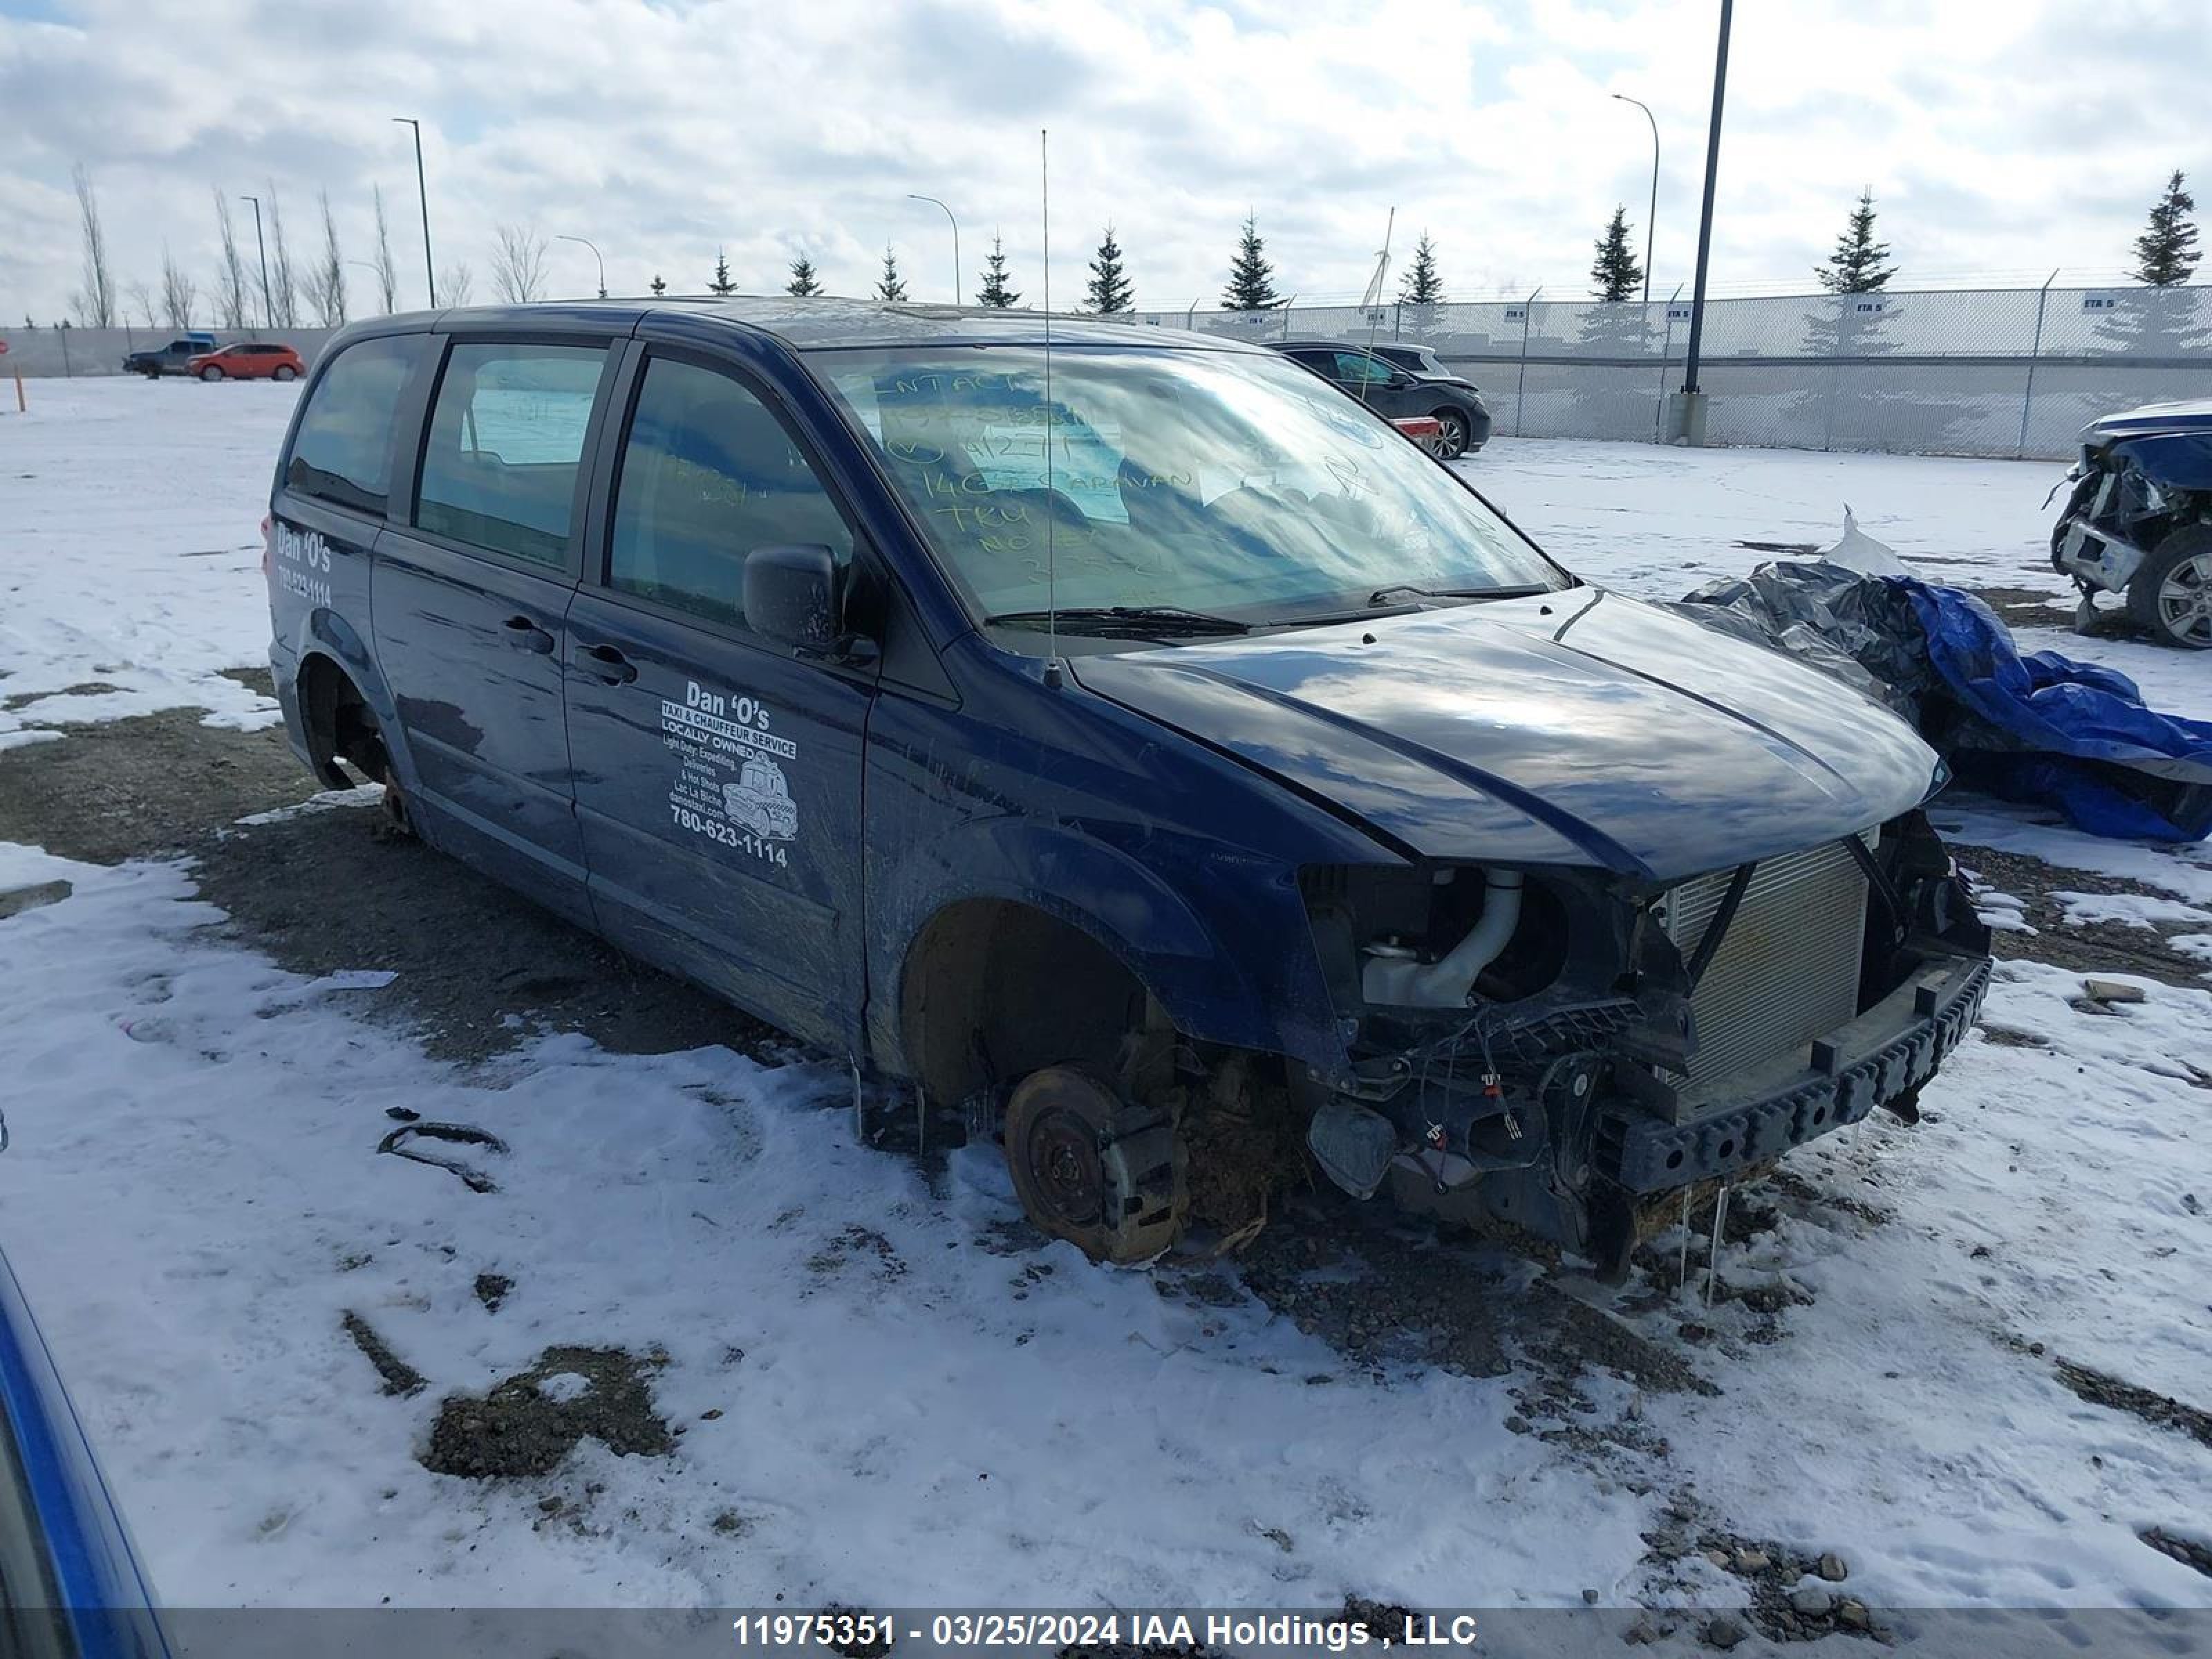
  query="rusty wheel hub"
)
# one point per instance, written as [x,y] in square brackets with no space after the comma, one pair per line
[1061,1149]
[1104,1173]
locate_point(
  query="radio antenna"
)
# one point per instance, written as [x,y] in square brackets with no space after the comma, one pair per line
[1052,669]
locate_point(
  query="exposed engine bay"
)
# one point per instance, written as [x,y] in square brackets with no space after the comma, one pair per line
[1558,1047]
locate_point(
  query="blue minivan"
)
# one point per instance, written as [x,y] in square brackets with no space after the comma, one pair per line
[1125,739]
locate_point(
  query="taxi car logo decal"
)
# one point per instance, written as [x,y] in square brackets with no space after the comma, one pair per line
[729,785]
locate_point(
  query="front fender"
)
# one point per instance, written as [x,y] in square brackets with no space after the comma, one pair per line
[1224,946]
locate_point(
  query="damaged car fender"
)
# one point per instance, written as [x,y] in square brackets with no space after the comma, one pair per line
[1184,869]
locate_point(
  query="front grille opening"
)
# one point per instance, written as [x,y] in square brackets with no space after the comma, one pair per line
[1786,971]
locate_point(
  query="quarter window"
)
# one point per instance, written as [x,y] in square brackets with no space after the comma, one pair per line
[507,437]
[343,452]
[708,474]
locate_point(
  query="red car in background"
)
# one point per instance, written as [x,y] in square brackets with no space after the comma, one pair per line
[248,361]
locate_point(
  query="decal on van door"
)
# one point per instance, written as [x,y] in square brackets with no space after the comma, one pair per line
[729,784]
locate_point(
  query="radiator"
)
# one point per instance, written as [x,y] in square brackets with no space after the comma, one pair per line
[1787,968]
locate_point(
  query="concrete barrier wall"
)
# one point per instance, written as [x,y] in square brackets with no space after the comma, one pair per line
[73,351]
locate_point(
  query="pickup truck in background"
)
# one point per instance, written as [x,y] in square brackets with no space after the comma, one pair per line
[170,359]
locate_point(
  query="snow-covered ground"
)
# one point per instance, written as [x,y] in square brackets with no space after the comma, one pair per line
[1656,522]
[882,1393]
[130,549]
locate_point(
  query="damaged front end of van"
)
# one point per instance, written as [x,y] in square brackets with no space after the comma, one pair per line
[1571,1050]
[1657,905]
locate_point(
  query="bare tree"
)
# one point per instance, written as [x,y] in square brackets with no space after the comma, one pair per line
[141,299]
[456,284]
[518,264]
[96,303]
[230,277]
[283,280]
[388,274]
[326,283]
[179,291]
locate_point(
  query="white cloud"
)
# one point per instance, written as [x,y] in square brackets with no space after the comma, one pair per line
[1998,136]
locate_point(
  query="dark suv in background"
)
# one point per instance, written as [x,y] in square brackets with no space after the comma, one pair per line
[170,359]
[1394,388]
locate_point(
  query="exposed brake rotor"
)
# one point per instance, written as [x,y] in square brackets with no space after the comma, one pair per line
[1104,1174]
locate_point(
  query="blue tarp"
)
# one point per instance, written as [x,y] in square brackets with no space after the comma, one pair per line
[2040,728]
[2065,726]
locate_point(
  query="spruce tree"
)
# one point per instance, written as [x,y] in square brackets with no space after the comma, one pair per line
[1857,266]
[659,285]
[722,282]
[1616,273]
[995,291]
[1251,278]
[1109,287]
[891,285]
[2165,254]
[1424,283]
[802,281]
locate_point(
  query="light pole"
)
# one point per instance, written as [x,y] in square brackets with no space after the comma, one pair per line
[958,268]
[1650,219]
[422,196]
[594,246]
[1690,386]
[267,321]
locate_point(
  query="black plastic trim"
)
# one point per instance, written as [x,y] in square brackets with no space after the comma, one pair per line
[1652,1157]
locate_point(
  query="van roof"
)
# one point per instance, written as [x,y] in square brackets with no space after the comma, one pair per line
[828,325]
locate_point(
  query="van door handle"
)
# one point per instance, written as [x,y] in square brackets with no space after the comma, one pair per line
[609,666]
[529,636]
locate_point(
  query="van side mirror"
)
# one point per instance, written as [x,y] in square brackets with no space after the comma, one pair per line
[793,597]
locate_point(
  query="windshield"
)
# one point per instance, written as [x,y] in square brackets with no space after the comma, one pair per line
[1232,483]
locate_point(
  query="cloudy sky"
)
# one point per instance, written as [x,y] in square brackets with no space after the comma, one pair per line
[2000,137]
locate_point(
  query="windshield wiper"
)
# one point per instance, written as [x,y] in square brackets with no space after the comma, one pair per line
[1382,595]
[1140,620]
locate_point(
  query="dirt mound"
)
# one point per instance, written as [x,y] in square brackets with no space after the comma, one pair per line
[528,1423]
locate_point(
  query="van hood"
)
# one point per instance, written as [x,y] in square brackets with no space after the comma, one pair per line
[1571,728]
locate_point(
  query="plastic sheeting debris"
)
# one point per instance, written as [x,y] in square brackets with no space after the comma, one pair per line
[2041,728]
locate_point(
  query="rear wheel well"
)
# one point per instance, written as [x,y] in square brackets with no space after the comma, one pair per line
[993,989]
[340,726]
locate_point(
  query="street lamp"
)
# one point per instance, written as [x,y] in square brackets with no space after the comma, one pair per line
[1693,395]
[1650,219]
[1691,389]
[422,196]
[588,243]
[957,268]
[267,320]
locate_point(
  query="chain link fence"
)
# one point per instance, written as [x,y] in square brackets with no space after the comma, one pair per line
[2009,372]
[2015,372]
[89,351]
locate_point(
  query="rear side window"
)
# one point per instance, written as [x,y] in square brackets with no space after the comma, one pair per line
[1357,367]
[708,474]
[507,434]
[343,452]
